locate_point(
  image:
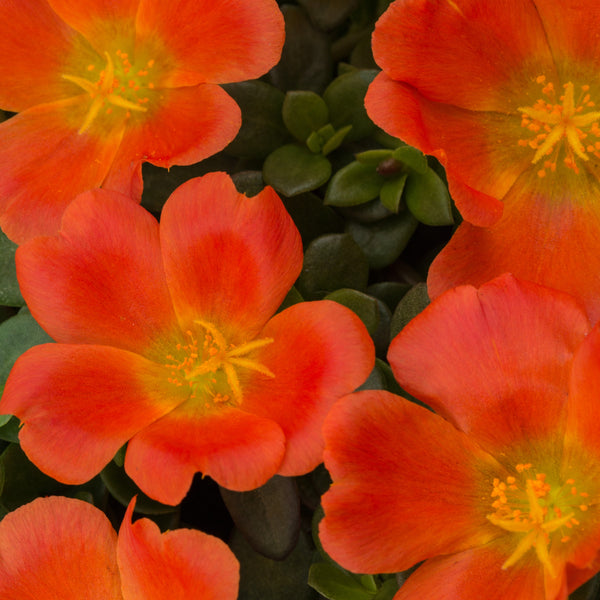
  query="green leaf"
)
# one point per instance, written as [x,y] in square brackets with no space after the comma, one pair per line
[294,169]
[345,98]
[262,129]
[333,583]
[328,15]
[332,262]
[383,242]
[364,306]
[18,334]
[304,113]
[413,303]
[24,482]
[262,578]
[124,489]
[373,157]
[390,292]
[334,142]
[388,590]
[306,62]
[353,184]
[391,193]
[411,157]
[312,218]
[268,517]
[427,198]
[10,294]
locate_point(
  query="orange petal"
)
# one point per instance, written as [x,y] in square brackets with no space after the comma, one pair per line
[214,41]
[238,450]
[229,259]
[571,29]
[494,361]
[477,573]
[183,127]
[464,52]
[101,280]
[407,485]
[45,164]
[321,352]
[58,549]
[101,22]
[179,565]
[480,150]
[548,234]
[79,404]
[34,42]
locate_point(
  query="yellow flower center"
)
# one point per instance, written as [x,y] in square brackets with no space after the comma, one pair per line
[119,84]
[208,365]
[537,511]
[551,120]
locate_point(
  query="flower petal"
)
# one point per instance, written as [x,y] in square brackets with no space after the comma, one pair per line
[480,150]
[45,164]
[238,450]
[407,485]
[548,234]
[584,408]
[33,44]
[494,361]
[101,22]
[477,57]
[80,404]
[229,259]
[477,573]
[214,41]
[178,565]
[184,127]
[571,29]
[58,549]
[321,351]
[100,281]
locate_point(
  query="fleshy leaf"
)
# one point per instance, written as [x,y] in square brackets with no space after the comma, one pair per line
[332,262]
[268,517]
[427,198]
[303,113]
[294,169]
[383,242]
[345,97]
[353,184]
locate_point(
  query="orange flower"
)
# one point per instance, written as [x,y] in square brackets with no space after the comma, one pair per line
[102,86]
[166,338]
[506,96]
[64,549]
[498,493]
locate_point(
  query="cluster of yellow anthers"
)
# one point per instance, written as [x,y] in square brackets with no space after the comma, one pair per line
[198,366]
[528,504]
[550,121]
[114,88]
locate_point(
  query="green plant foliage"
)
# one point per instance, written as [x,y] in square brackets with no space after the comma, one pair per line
[427,198]
[10,295]
[354,184]
[268,517]
[262,128]
[263,578]
[383,242]
[332,262]
[293,170]
[18,334]
[304,113]
[345,97]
